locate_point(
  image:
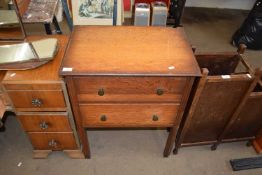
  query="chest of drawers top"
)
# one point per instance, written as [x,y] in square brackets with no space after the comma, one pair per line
[124,50]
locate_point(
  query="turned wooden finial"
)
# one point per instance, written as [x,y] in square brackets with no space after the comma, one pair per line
[241,49]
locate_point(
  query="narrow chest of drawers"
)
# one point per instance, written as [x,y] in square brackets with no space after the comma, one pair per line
[128,77]
[40,100]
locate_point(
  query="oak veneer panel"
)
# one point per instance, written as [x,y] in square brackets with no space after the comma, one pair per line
[22,100]
[55,122]
[130,89]
[32,87]
[41,140]
[129,115]
[129,50]
[249,122]
[216,104]
[47,72]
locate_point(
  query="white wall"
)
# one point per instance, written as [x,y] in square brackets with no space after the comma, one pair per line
[230,4]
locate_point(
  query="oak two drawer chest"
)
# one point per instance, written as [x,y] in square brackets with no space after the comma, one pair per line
[128,77]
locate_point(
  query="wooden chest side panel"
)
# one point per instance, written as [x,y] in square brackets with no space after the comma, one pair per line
[215,106]
[129,115]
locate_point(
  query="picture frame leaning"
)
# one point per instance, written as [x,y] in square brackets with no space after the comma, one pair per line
[96,12]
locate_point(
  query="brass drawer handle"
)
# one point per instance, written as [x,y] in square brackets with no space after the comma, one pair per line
[155,118]
[43,125]
[101,92]
[159,91]
[103,118]
[52,143]
[37,102]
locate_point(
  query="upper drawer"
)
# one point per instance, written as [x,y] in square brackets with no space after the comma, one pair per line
[45,122]
[52,100]
[129,89]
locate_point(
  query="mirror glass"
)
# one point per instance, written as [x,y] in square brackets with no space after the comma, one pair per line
[10,25]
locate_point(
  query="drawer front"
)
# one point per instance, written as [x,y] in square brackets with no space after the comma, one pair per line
[128,115]
[45,123]
[129,89]
[32,87]
[52,141]
[38,100]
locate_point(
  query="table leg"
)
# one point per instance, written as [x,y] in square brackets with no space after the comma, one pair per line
[57,27]
[170,141]
[48,29]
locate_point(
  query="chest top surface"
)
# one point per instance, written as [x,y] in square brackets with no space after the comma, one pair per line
[47,72]
[123,50]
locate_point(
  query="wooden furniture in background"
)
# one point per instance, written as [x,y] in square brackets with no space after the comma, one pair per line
[34,11]
[40,101]
[5,104]
[257,143]
[220,95]
[128,77]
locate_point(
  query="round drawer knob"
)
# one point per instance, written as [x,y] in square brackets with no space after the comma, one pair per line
[43,125]
[155,118]
[159,91]
[37,102]
[52,143]
[101,92]
[103,118]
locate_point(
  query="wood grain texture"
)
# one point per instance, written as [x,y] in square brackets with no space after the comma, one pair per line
[41,154]
[128,115]
[214,109]
[55,122]
[64,140]
[129,64]
[22,6]
[74,154]
[248,122]
[14,33]
[33,87]
[257,143]
[130,89]
[218,64]
[47,72]
[77,116]
[123,50]
[52,100]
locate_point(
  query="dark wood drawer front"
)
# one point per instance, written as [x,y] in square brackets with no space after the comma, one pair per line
[128,115]
[38,100]
[129,89]
[52,141]
[45,123]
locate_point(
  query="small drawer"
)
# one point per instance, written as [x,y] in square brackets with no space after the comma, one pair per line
[51,100]
[52,141]
[45,122]
[128,115]
[129,89]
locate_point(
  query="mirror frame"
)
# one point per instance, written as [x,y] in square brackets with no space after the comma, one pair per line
[21,26]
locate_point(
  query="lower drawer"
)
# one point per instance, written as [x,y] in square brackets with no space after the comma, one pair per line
[52,141]
[44,122]
[128,115]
